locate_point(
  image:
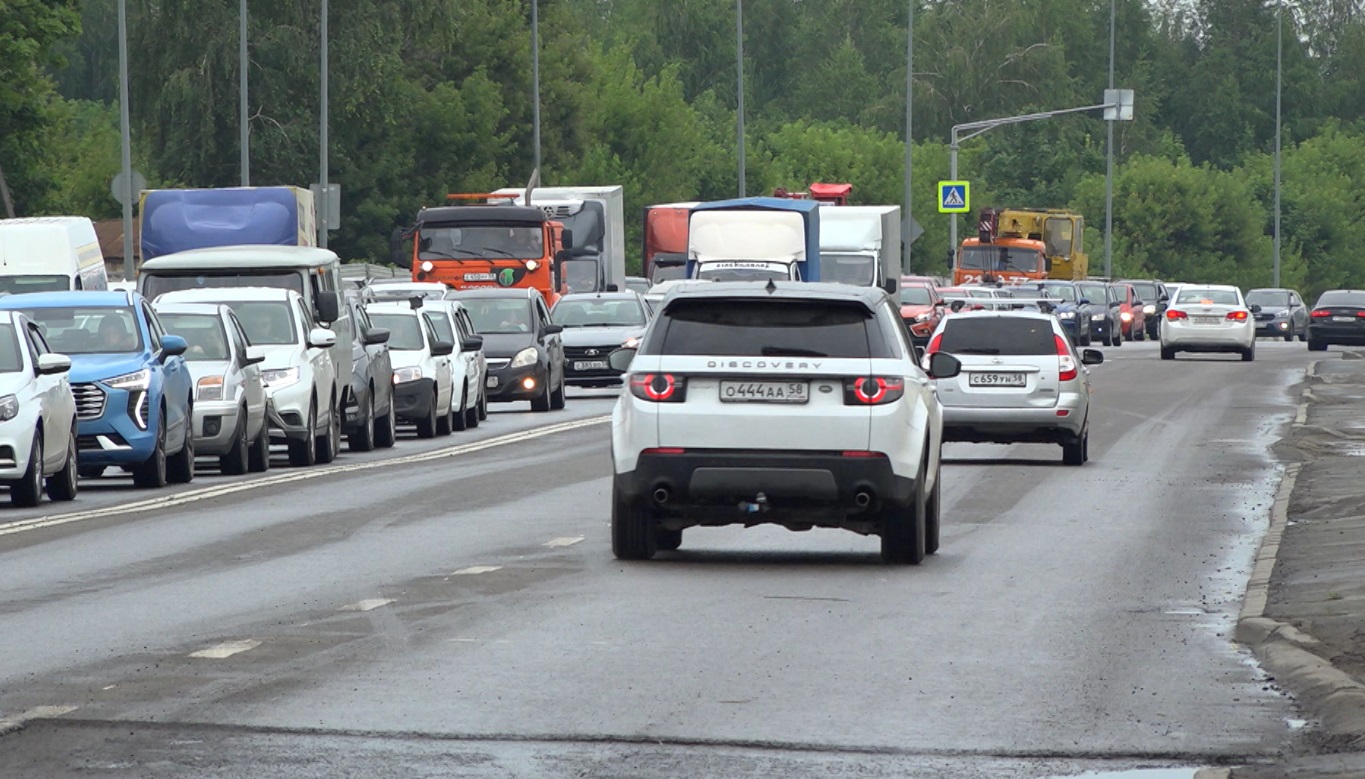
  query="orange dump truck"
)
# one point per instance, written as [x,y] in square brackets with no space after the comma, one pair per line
[1022,244]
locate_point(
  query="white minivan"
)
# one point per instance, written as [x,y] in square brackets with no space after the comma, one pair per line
[50,254]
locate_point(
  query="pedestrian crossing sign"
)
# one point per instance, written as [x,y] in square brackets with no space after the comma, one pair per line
[954,197]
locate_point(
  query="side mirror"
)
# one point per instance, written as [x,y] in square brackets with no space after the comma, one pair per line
[472,344]
[173,346]
[255,355]
[328,307]
[1116,304]
[554,329]
[891,285]
[1164,299]
[563,255]
[1084,301]
[1137,303]
[566,238]
[442,348]
[1047,264]
[376,336]
[1255,308]
[1092,357]
[943,366]
[321,338]
[50,363]
[620,359]
[613,288]
[940,303]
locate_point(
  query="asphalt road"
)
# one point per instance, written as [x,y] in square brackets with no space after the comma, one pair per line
[460,614]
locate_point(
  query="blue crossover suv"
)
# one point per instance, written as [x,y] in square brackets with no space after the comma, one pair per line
[133,390]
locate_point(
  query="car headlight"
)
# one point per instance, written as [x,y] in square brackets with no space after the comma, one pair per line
[925,317]
[1125,316]
[632,342]
[1066,315]
[9,408]
[140,380]
[1281,314]
[527,356]
[532,265]
[405,375]
[209,388]
[1149,309]
[1098,317]
[279,378]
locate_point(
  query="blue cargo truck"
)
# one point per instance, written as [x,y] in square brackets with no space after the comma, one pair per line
[753,239]
[176,220]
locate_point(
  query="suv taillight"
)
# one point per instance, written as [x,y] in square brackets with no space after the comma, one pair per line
[873,390]
[1066,364]
[658,387]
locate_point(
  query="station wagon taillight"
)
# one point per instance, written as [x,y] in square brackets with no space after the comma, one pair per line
[1066,364]
[873,390]
[658,387]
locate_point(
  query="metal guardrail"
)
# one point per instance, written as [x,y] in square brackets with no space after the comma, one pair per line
[368,270]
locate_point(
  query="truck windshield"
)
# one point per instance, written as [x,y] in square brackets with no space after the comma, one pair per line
[1000,258]
[18,285]
[203,332]
[667,273]
[95,330]
[478,242]
[859,269]
[10,361]
[157,285]
[580,275]
[404,333]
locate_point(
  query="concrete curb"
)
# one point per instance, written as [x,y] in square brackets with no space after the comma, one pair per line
[1336,698]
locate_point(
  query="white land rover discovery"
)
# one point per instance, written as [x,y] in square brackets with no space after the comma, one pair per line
[789,403]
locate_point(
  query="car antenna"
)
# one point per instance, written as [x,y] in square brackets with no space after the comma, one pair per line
[771,287]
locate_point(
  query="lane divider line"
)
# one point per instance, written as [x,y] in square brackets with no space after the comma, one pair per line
[369,604]
[227,649]
[217,491]
[475,570]
[566,541]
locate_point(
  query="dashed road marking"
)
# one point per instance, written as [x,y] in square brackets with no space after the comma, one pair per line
[227,649]
[218,491]
[476,569]
[369,604]
[565,541]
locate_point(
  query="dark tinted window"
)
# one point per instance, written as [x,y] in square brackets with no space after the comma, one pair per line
[769,328]
[1003,335]
[1339,297]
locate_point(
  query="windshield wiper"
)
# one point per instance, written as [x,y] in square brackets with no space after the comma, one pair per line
[789,351]
[978,350]
[499,252]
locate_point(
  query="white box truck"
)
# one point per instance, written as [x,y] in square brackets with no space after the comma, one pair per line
[860,244]
[50,254]
[596,218]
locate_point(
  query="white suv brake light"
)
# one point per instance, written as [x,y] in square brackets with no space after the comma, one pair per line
[1065,362]
[658,387]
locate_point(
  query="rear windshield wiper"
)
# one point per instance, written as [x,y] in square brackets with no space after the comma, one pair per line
[788,351]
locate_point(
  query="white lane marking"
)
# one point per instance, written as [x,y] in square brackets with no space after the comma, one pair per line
[465,640]
[193,496]
[369,604]
[110,687]
[227,649]
[565,541]
[11,724]
[476,569]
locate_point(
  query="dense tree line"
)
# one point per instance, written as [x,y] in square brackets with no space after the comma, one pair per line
[434,96]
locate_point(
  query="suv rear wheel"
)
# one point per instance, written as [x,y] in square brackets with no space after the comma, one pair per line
[903,527]
[632,530]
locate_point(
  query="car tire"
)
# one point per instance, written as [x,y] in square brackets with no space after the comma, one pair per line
[1289,337]
[1249,353]
[471,416]
[1118,337]
[90,471]
[258,459]
[903,527]
[180,466]
[1316,346]
[483,406]
[1107,340]
[933,507]
[541,402]
[1084,338]
[443,426]
[1303,334]
[1073,452]
[362,438]
[459,418]
[304,453]
[27,492]
[632,530]
[427,426]
[1167,353]
[1139,333]
[557,398]
[238,460]
[62,486]
[150,474]
[329,444]
[667,540]
[386,429]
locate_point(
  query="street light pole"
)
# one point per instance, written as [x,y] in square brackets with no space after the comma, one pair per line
[908,218]
[1109,165]
[535,80]
[739,49]
[129,269]
[323,140]
[244,142]
[1279,68]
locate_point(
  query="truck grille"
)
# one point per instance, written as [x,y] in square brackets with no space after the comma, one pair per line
[90,401]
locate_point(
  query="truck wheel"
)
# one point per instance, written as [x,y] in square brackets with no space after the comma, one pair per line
[304,453]
[62,486]
[151,473]
[632,530]
[903,527]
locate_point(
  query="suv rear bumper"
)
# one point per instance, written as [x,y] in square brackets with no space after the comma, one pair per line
[1014,425]
[824,488]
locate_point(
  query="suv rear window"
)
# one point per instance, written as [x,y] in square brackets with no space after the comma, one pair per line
[1004,335]
[769,328]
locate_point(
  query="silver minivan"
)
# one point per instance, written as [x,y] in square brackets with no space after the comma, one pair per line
[1022,381]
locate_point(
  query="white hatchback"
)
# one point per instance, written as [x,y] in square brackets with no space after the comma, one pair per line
[423,369]
[37,415]
[1209,318]
[789,403]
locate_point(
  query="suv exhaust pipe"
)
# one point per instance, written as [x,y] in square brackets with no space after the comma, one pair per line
[661,495]
[863,498]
